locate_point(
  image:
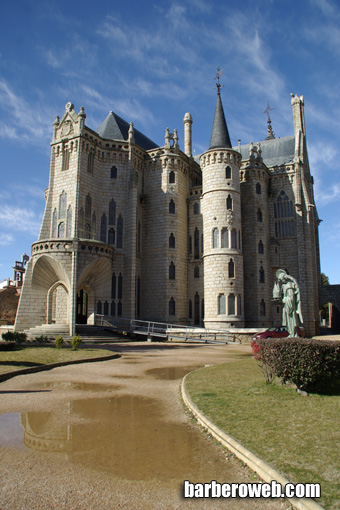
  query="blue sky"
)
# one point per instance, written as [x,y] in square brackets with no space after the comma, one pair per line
[151,62]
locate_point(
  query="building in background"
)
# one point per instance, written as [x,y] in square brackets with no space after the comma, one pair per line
[135,230]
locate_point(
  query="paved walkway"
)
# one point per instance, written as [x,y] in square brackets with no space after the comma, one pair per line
[113,434]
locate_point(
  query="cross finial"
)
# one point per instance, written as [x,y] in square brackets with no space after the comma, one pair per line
[268,109]
[217,77]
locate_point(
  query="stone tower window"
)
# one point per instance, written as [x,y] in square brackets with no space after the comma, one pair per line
[196,208]
[66,159]
[172,306]
[111,236]
[69,222]
[113,308]
[228,172]
[239,305]
[196,243]
[172,271]
[221,304]
[61,229]
[62,205]
[260,248]
[54,223]
[172,177]
[172,241]
[284,216]
[112,212]
[259,215]
[99,307]
[233,238]
[90,162]
[190,309]
[120,309]
[229,203]
[113,286]
[172,207]
[231,304]
[120,232]
[261,275]
[231,269]
[113,172]
[88,206]
[120,286]
[258,188]
[103,223]
[215,242]
[225,238]
[262,308]
[196,272]
[87,231]
[106,308]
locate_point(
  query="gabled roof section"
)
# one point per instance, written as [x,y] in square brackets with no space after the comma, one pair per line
[275,152]
[116,128]
[219,135]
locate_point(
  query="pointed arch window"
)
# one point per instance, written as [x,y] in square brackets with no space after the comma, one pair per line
[61,229]
[172,241]
[225,238]
[259,215]
[120,286]
[172,177]
[87,231]
[231,304]
[111,236]
[103,226]
[172,207]
[172,306]
[90,162]
[172,271]
[113,172]
[113,286]
[54,223]
[81,222]
[99,307]
[69,223]
[215,234]
[233,238]
[196,208]
[260,248]
[228,172]
[66,159]
[262,307]
[62,205]
[258,188]
[229,203]
[284,216]
[221,304]
[112,212]
[261,275]
[88,206]
[196,243]
[190,309]
[231,269]
[196,272]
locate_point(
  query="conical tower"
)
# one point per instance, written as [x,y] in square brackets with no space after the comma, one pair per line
[221,210]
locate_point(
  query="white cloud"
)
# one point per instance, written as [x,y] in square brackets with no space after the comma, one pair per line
[6,239]
[20,219]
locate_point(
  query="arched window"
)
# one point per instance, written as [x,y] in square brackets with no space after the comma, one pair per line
[231,269]
[172,271]
[197,309]
[172,177]
[190,245]
[202,244]
[261,275]
[113,308]
[112,212]
[190,309]
[231,304]
[196,208]
[229,202]
[94,225]
[61,229]
[239,305]
[113,286]
[99,307]
[69,222]
[88,206]
[103,228]
[258,188]
[260,248]
[81,222]
[66,159]
[215,242]
[120,232]
[54,223]
[111,236]
[172,207]
[120,286]
[113,172]
[87,231]
[172,306]
[62,205]
[221,304]
[172,241]
[228,172]
[225,238]
[233,238]
[120,309]
[259,215]
[284,216]
[196,272]
[196,243]
[262,308]
[106,308]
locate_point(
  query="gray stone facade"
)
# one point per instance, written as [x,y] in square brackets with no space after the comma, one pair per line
[139,231]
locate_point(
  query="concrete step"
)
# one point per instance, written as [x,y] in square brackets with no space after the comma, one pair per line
[50,330]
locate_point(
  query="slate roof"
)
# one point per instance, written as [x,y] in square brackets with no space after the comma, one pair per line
[219,135]
[116,128]
[275,152]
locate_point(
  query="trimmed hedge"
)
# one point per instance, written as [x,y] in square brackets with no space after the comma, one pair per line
[305,362]
[11,336]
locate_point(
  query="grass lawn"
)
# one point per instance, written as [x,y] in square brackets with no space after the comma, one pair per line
[299,436]
[26,357]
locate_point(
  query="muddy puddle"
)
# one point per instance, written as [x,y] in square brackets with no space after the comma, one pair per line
[124,435]
[72,386]
[170,373]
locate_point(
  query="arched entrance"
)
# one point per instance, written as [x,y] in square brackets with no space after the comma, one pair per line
[82,307]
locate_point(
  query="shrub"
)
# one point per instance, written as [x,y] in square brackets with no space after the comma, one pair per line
[42,339]
[76,341]
[304,362]
[59,342]
[16,337]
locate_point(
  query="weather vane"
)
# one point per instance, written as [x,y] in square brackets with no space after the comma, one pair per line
[217,77]
[268,109]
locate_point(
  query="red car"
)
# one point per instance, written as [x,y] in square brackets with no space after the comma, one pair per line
[279,332]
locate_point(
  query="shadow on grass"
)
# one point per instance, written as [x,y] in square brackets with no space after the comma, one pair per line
[20,364]
[327,388]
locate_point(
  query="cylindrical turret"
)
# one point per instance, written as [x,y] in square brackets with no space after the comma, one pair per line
[187,134]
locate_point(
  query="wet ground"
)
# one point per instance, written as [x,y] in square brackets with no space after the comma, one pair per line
[113,435]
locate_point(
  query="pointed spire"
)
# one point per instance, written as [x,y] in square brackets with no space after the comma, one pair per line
[270,134]
[219,135]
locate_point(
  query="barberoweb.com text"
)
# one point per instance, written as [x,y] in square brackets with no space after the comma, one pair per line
[251,490]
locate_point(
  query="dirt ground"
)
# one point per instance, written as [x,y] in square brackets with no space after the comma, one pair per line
[114,434]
